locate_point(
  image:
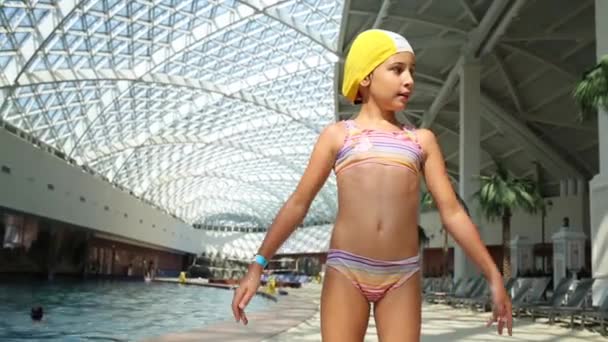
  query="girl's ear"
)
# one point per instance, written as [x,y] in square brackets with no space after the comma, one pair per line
[366,81]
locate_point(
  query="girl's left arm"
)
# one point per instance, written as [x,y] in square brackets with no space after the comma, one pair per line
[460,226]
[453,216]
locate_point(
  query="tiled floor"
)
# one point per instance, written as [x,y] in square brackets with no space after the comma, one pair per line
[444,323]
[296,318]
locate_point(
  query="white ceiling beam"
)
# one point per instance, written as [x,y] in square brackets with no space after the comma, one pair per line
[502,157]
[581,44]
[443,95]
[329,203]
[542,151]
[592,143]
[549,30]
[559,92]
[566,70]
[504,23]
[154,78]
[215,208]
[482,139]
[490,134]
[156,185]
[382,14]
[509,81]
[584,165]
[451,155]
[568,14]
[421,19]
[476,39]
[339,64]
[415,107]
[469,11]
[424,6]
[572,125]
[287,19]
[562,36]
[441,35]
[41,32]
[190,188]
[536,147]
[196,36]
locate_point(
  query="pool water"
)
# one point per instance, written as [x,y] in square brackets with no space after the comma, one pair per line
[110,310]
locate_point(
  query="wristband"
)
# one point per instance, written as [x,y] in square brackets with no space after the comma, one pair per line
[259,259]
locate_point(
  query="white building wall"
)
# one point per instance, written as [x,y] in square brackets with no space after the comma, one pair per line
[316,239]
[245,245]
[25,189]
[521,223]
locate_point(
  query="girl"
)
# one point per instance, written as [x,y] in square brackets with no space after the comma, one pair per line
[373,255]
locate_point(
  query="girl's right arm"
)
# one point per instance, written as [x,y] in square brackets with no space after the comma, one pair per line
[292,213]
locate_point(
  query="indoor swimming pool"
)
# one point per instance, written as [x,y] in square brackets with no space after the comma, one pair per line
[110,310]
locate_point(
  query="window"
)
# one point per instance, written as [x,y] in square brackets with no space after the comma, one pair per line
[13,231]
[18,231]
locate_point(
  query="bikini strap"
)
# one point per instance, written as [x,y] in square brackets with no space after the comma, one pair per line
[410,131]
[350,124]
[350,127]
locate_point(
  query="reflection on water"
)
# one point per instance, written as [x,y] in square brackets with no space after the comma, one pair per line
[109,311]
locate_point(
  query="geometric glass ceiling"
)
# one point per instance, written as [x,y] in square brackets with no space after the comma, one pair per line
[206,109]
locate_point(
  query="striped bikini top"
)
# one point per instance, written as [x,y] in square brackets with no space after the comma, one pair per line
[398,148]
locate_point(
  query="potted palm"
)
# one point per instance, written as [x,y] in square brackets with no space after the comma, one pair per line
[591,93]
[501,194]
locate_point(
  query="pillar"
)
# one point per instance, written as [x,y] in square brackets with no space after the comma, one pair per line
[469,153]
[568,252]
[563,188]
[598,187]
[572,191]
[522,259]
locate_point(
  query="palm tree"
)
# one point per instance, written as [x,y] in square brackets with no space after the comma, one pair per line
[501,194]
[591,93]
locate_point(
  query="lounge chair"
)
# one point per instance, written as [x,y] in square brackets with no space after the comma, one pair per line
[434,296]
[573,302]
[533,298]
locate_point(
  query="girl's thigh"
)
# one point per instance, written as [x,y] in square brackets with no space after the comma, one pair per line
[398,313]
[344,310]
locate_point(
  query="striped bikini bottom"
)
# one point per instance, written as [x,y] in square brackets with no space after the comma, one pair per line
[374,278]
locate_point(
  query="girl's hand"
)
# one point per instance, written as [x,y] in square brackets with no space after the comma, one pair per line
[248,286]
[501,308]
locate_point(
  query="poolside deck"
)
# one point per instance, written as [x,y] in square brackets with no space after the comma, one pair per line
[288,312]
[296,318]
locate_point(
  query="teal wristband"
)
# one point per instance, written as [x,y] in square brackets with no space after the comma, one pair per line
[259,259]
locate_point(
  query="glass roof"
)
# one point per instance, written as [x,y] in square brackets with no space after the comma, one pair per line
[206,109]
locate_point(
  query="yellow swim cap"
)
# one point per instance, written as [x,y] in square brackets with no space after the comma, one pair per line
[369,49]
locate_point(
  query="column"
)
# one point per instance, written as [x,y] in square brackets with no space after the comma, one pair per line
[598,187]
[522,260]
[572,191]
[469,153]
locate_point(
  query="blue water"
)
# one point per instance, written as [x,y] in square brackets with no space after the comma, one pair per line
[110,310]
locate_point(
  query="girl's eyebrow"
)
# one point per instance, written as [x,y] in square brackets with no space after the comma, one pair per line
[413,65]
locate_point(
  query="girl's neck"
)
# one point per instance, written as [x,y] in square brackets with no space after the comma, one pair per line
[371,113]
